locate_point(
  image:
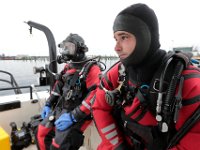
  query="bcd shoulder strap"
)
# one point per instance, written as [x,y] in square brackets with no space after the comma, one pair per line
[163,99]
[185,128]
[171,64]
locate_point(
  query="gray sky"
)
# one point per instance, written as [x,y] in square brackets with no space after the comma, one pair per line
[92,19]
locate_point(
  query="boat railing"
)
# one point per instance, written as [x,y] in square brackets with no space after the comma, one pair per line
[12,82]
[14,85]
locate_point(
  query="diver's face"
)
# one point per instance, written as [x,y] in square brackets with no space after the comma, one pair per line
[125,43]
[68,48]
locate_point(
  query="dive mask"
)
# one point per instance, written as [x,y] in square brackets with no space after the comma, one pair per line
[67,48]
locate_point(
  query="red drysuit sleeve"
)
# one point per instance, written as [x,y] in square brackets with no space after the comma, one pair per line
[92,82]
[105,123]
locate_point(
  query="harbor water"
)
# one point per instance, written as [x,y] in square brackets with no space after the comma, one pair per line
[22,70]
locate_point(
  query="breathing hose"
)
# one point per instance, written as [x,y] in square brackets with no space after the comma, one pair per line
[172,86]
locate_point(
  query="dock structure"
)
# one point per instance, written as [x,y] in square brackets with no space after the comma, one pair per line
[105,57]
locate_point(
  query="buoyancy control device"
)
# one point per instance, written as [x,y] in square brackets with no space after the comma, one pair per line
[74,87]
[164,103]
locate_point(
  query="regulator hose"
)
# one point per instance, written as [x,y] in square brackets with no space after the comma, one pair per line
[172,87]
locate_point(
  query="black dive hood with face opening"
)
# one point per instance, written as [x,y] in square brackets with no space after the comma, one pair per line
[141,21]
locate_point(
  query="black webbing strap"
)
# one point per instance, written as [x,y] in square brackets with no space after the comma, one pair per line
[191,101]
[74,79]
[142,131]
[108,81]
[141,97]
[185,128]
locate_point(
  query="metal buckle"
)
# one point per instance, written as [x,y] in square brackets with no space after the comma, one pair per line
[154,85]
[69,94]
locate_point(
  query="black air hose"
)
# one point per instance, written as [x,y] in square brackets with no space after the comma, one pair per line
[160,93]
[172,87]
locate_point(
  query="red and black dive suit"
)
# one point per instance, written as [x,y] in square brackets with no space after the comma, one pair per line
[131,123]
[72,92]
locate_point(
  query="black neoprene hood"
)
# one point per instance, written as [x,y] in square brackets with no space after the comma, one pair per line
[141,21]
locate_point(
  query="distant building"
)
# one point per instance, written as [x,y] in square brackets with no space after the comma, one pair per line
[184,49]
[187,50]
[21,56]
[7,57]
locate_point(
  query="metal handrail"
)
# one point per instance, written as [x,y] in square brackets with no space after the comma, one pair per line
[14,88]
[12,82]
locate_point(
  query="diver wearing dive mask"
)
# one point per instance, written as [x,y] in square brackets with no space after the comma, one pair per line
[72,48]
[66,113]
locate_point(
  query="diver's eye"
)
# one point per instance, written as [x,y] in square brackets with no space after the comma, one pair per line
[123,37]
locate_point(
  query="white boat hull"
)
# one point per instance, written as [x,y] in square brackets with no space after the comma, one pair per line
[29,109]
[22,114]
